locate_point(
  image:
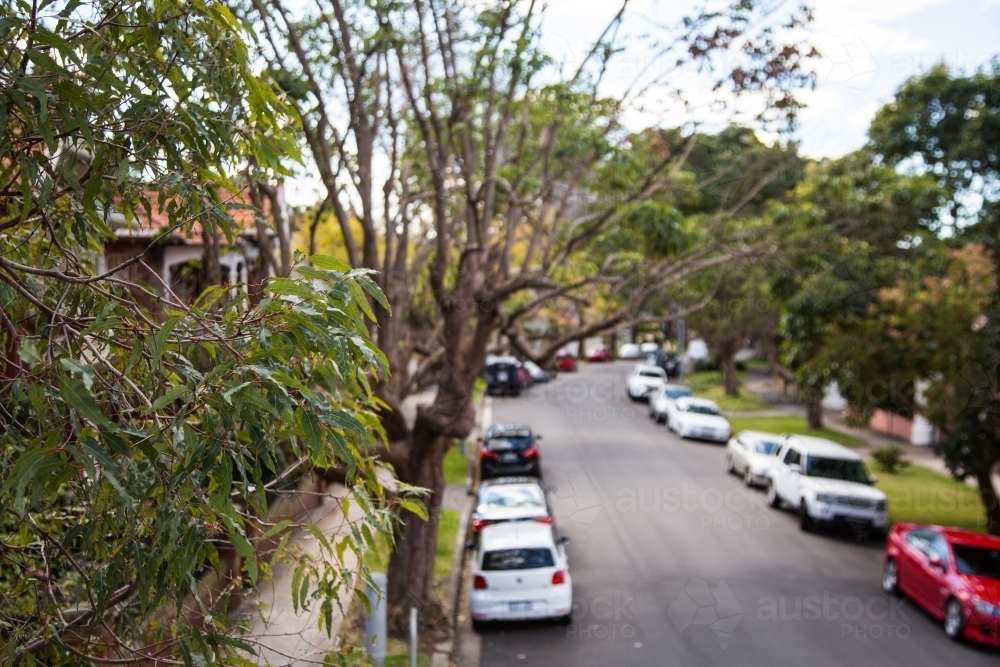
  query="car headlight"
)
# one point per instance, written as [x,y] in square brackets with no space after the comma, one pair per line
[826,498]
[984,607]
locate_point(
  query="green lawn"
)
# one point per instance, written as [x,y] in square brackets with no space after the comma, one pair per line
[708,384]
[920,495]
[456,466]
[790,424]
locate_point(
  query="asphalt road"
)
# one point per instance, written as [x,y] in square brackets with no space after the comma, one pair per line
[674,563]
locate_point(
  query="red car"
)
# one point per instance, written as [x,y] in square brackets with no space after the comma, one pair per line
[600,353]
[953,574]
[565,363]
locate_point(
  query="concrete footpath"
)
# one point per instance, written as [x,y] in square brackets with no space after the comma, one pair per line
[281,636]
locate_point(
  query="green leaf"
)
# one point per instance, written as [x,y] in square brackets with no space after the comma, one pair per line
[85,371]
[329,263]
[416,508]
[170,397]
[80,398]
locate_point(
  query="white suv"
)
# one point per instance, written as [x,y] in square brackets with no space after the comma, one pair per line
[827,483]
[643,380]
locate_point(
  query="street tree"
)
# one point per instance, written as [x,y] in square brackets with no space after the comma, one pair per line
[473,173]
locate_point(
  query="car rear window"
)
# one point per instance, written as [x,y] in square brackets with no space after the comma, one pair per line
[703,409]
[977,561]
[507,444]
[676,393]
[517,559]
[765,447]
[506,497]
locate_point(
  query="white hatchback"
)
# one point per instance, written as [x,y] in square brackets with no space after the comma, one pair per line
[661,400]
[520,572]
[751,455]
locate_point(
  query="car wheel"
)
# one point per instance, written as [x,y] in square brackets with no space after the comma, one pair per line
[565,620]
[661,418]
[890,577]
[806,522]
[954,619]
[748,478]
[773,499]
[729,465]
[478,626]
[536,471]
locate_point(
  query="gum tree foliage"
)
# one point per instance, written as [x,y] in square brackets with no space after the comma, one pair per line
[142,438]
[471,170]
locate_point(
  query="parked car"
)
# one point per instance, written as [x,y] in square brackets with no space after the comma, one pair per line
[510,449]
[510,499]
[750,454]
[953,574]
[700,418]
[629,351]
[668,361]
[519,572]
[524,377]
[600,353]
[643,380]
[565,363]
[827,484]
[537,373]
[649,348]
[663,398]
[503,376]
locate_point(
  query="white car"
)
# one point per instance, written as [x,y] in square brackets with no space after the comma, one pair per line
[750,454]
[661,400]
[827,483]
[649,348]
[698,418]
[510,499]
[643,380]
[537,373]
[629,351]
[520,572]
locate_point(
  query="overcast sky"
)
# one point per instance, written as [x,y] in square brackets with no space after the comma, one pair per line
[869,47]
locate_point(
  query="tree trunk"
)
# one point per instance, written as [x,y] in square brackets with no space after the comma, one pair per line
[814,413]
[411,566]
[727,363]
[991,503]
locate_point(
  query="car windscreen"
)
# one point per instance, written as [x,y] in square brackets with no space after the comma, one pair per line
[676,393]
[512,497]
[765,447]
[977,561]
[507,444]
[517,559]
[843,469]
[703,409]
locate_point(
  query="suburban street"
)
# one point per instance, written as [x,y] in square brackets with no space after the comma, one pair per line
[676,563]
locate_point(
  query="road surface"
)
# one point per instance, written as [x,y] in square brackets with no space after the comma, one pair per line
[676,564]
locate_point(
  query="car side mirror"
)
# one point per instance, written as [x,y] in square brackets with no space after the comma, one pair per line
[470,492]
[538,437]
[479,441]
[469,546]
[565,539]
[551,488]
[872,479]
[938,564]
[795,468]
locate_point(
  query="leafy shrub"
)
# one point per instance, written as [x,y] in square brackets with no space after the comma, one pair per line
[891,459]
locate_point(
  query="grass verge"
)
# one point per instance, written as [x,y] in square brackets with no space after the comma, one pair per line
[919,495]
[456,466]
[793,425]
[708,384]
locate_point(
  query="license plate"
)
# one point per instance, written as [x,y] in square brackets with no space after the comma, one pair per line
[520,606]
[508,458]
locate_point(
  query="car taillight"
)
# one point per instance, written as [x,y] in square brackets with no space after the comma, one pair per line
[488,454]
[530,453]
[479,582]
[558,577]
[543,519]
[479,524]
